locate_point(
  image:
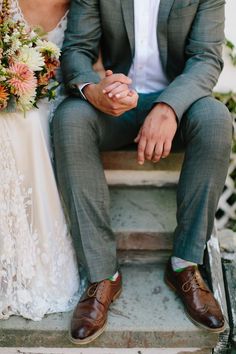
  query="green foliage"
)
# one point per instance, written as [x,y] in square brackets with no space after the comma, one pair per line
[232,49]
[229,99]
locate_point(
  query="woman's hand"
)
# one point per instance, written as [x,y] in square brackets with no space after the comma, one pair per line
[117,90]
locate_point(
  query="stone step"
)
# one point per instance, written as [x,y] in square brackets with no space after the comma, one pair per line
[142,178]
[127,160]
[121,168]
[143,219]
[147,315]
[103,351]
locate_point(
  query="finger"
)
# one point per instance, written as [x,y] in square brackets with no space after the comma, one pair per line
[120,89]
[149,150]
[111,87]
[122,94]
[131,93]
[108,73]
[132,101]
[141,148]
[158,152]
[123,79]
[166,148]
[136,140]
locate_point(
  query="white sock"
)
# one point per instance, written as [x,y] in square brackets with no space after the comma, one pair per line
[178,263]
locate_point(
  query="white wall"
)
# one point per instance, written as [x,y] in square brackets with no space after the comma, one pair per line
[230,27]
[227,81]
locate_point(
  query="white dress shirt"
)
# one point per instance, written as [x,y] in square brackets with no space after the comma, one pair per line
[146,70]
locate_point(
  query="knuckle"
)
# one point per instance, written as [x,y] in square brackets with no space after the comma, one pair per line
[114,106]
[157,153]
[148,156]
[144,133]
[116,111]
[166,151]
[157,156]
[141,149]
[120,77]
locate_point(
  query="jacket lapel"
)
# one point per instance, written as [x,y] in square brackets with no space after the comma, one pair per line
[163,14]
[128,15]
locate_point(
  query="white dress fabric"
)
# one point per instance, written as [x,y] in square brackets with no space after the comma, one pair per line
[38,268]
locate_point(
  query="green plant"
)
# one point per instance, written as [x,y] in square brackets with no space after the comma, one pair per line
[229,99]
[232,49]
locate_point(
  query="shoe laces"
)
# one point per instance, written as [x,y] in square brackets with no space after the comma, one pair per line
[194,283]
[92,290]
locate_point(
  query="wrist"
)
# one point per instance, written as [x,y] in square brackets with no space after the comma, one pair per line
[166,109]
[89,92]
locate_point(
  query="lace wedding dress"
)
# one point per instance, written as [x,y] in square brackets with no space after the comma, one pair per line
[38,269]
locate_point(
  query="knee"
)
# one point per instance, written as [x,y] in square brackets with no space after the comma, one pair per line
[73,117]
[210,124]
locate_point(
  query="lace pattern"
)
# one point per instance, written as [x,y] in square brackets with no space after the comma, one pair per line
[38,268]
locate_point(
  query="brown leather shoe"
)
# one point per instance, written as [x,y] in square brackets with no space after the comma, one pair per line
[90,316]
[200,305]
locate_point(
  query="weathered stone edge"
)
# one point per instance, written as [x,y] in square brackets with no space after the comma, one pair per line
[110,339]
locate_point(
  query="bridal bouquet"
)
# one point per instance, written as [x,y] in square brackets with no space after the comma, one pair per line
[27,64]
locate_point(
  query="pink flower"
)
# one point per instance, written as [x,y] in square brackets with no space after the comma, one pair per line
[22,79]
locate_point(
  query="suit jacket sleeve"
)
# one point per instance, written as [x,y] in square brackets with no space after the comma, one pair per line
[81,45]
[204,63]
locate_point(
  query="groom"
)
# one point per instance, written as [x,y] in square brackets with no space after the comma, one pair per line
[169,52]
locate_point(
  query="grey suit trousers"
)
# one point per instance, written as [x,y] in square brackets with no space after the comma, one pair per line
[81,132]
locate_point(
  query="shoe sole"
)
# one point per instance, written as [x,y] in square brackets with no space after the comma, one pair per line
[198,324]
[95,335]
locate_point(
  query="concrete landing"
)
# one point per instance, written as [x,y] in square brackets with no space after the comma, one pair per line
[147,315]
[143,218]
[103,351]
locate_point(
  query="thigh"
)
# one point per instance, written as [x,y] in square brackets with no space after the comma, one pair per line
[76,116]
[208,119]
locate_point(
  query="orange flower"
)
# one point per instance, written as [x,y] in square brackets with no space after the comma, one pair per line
[3,97]
[3,93]
[43,79]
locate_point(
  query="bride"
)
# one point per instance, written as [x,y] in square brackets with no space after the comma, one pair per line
[38,269]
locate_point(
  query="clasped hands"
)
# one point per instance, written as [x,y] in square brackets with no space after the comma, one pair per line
[113,96]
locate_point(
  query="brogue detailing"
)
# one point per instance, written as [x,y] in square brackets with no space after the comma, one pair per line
[92,290]
[199,301]
[194,283]
[90,315]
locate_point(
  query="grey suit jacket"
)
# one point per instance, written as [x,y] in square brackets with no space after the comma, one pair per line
[190,34]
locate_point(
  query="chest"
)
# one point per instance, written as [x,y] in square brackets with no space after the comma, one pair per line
[37,12]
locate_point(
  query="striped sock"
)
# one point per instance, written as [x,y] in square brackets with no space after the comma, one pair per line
[114,277]
[179,264]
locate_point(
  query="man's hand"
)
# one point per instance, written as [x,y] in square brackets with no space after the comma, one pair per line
[117,90]
[156,134]
[100,95]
